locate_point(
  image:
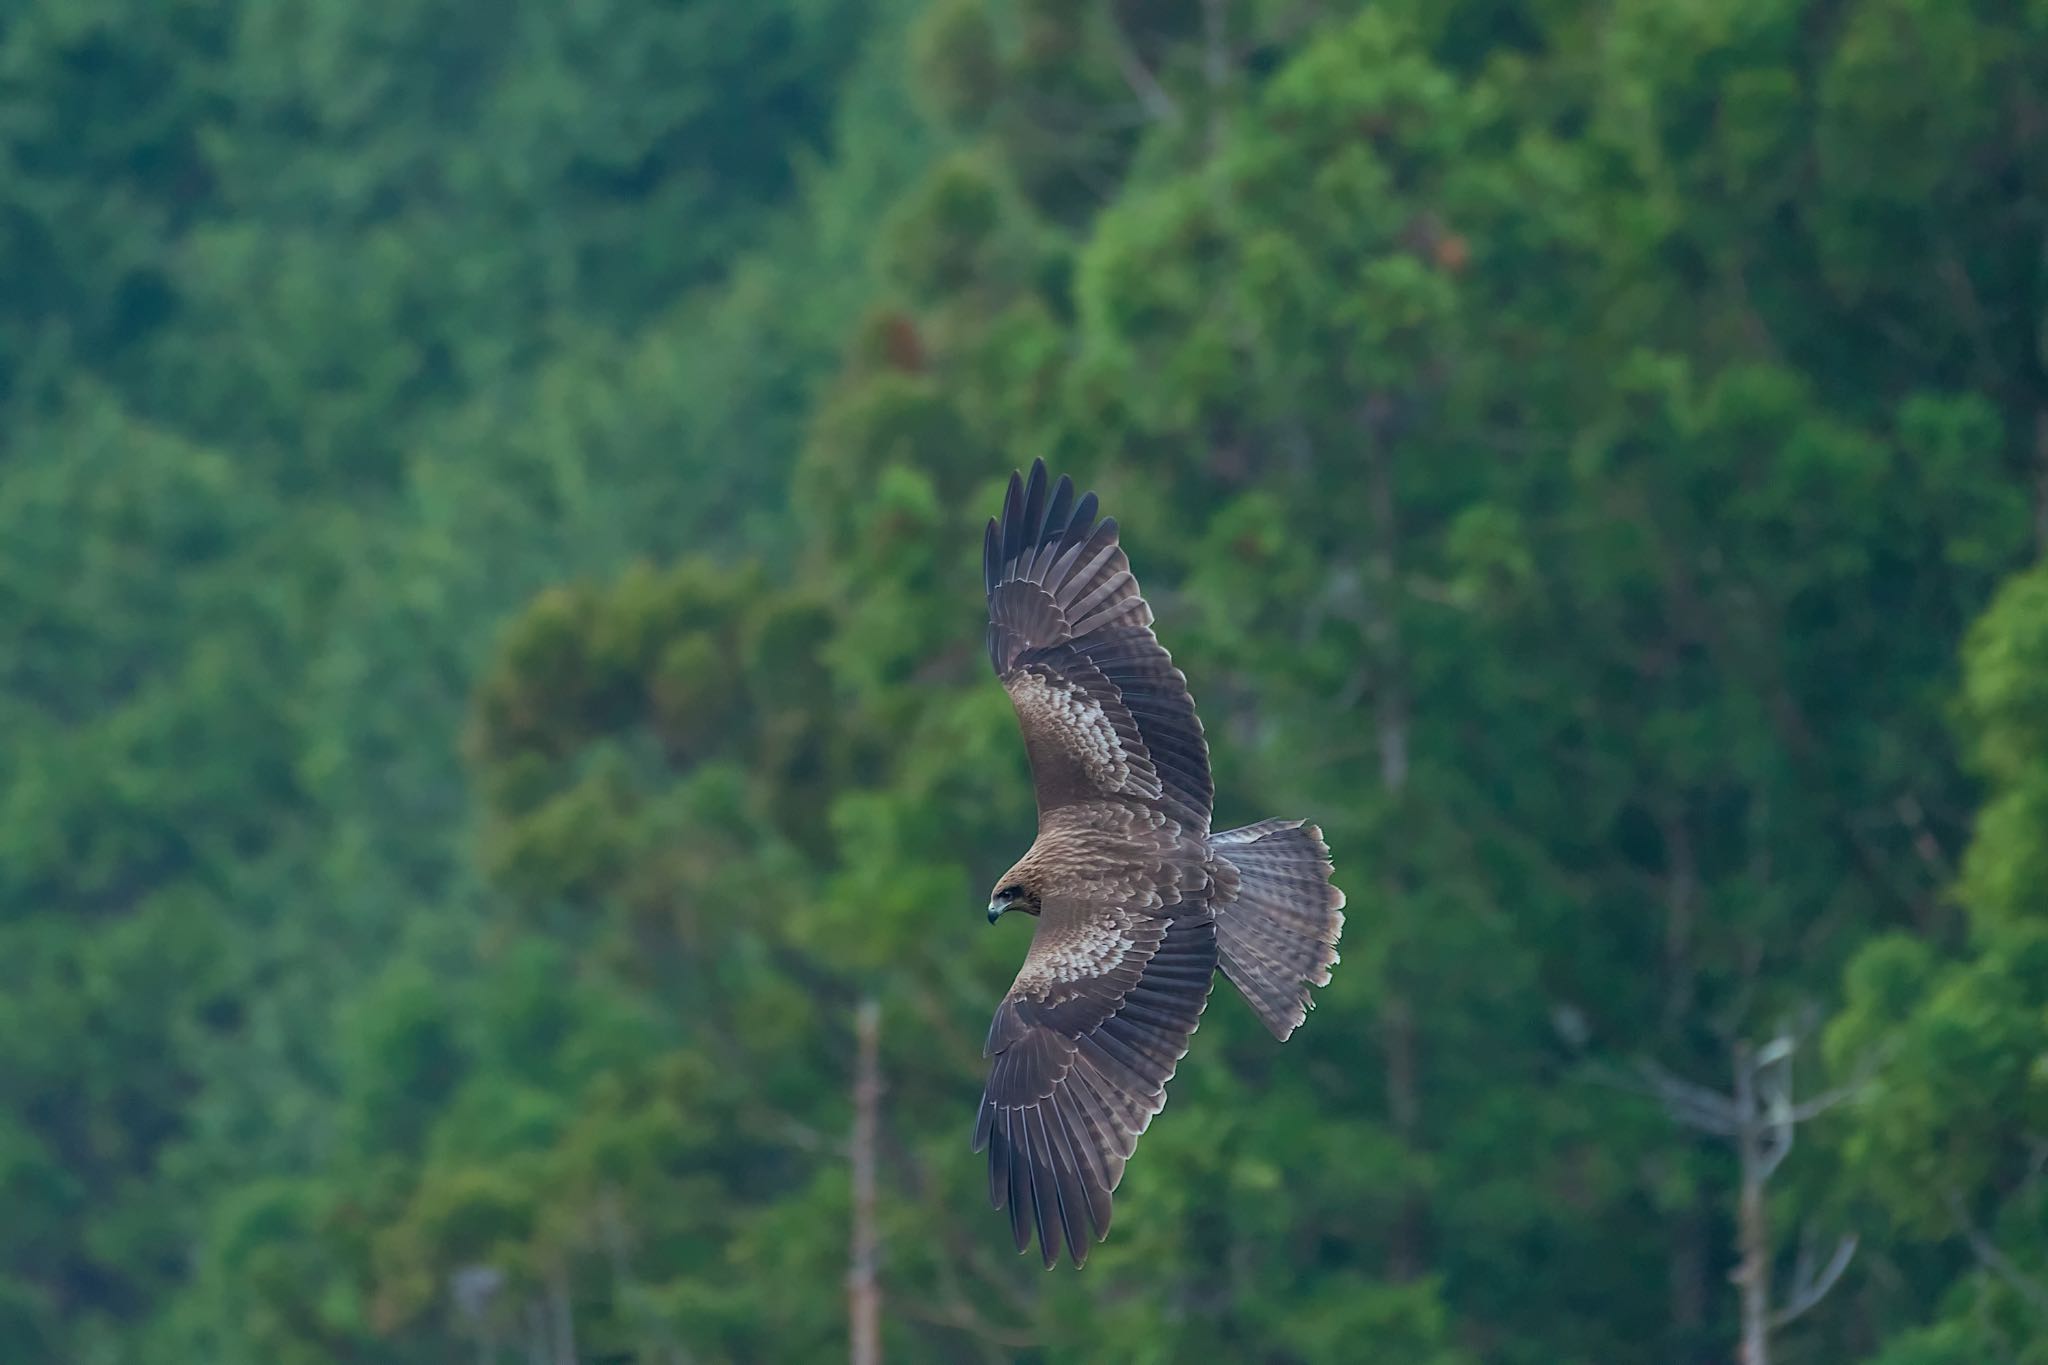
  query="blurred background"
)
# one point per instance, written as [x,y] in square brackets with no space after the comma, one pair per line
[490,513]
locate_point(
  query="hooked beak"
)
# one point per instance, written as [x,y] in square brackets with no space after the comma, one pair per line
[995,911]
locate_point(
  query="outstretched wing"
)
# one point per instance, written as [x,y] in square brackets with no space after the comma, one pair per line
[1084,1045]
[1105,714]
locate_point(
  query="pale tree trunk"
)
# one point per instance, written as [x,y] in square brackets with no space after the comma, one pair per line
[1753,1235]
[1760,1118]
[563,1311]
[537,1334]
[863,1287]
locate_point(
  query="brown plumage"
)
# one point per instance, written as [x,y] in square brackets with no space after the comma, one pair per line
[1137,902]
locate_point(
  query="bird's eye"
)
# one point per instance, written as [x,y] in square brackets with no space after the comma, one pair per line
[1010,893]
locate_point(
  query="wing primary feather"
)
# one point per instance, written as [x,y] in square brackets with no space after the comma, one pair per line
[1148,1040]
[1044,1201]
[998,1157]
[1027,1161]
[1108,1139]
[1088,561]
[991,561]
[1013,518]
[1088,1136]
[1032,522]
[1020,1161]
[1123,1054]
[1075,1210]
[1145,1012]
[1116,583]
[1064,1219]
[1080,522]
[1128,1115]
[1080,525]
[1053,530]
[1117,1074]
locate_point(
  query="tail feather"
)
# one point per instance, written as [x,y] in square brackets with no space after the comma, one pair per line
[1278,918]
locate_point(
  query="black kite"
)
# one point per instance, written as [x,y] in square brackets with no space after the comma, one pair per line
[1137,902]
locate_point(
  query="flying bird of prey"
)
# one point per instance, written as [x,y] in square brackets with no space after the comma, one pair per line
[1137,902]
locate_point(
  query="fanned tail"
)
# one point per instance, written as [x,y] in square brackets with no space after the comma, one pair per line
[1278,919]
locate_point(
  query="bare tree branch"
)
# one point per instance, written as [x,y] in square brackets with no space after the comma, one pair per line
[1158,105]
[1859,1080]
[1713,1122]
[1694,1106]
[1760,1117]
[1991,1258]
[1826,1100]
[1808,1289]
[1713,1111]
[1777,1146]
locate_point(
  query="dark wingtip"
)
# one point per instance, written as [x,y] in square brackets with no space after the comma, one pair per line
[983,1121]
[1012,519]
[1080,522]
[1048,1244]
[1019,1183]
[1041,519]
[1058,513]
[1032,520]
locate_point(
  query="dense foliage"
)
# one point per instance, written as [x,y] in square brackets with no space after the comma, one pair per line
[490,510]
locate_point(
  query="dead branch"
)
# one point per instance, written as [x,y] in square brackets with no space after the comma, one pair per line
[1158,105]
[1807,1288]
[863,1287]
[1991,1258]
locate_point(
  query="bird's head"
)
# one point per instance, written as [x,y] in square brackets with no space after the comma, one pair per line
[1011,894]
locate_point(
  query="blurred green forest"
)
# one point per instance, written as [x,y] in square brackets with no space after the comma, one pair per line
[490,506]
